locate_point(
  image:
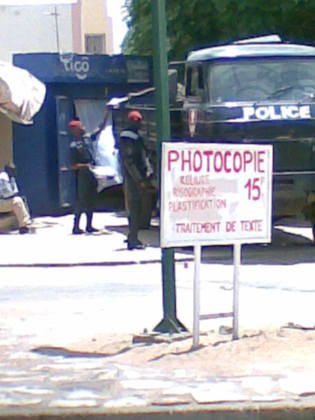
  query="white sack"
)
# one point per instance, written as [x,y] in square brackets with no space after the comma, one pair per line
[21,94]
[107,169]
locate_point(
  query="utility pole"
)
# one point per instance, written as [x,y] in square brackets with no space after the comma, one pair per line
[55,14]
[57,29]
[169,323]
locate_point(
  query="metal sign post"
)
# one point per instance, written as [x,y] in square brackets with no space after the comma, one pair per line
[236,280]
[169,323]
[197,252]
[196,295]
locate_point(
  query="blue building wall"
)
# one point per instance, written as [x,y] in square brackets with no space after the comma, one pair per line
[35,147]
[35,157]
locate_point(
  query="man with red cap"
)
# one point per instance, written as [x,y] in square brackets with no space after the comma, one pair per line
[136,170]
[81,160]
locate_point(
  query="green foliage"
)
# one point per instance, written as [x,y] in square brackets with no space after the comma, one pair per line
[195,23]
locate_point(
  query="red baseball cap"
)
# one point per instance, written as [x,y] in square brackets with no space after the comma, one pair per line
[75,124]
[134,116]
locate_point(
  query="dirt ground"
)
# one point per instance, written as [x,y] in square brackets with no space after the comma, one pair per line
[290,348]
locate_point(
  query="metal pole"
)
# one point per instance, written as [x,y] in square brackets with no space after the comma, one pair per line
[57,29]
[169,322]
[196,320]
[236,277]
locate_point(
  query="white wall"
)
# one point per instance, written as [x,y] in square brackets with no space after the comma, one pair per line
[32,29]
[95,20]
[26,29]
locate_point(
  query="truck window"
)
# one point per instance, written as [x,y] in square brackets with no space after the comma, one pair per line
[195,85]
[262,80]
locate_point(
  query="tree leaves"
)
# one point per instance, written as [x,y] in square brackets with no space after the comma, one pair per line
[193,24]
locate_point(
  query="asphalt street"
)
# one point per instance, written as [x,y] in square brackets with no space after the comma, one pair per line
[57,289]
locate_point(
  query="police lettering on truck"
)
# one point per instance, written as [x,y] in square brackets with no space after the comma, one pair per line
[273,112]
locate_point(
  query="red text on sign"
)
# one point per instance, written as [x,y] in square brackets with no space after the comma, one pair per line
[253,189]
[251,225]
[217,161]
[194,227]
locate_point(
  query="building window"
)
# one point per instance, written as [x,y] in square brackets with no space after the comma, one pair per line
[95,44]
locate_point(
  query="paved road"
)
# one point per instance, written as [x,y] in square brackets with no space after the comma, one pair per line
[57,289]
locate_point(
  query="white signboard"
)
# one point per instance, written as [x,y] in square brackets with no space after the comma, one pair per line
[215,194]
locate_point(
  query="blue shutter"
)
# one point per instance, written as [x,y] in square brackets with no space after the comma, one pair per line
[66,177]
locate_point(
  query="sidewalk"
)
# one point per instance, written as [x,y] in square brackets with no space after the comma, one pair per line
[128,371]
[53,244]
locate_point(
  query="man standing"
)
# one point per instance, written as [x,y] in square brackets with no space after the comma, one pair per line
[10,200]
[136,171]
[82,160]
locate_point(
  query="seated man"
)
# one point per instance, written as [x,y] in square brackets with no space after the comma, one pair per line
[10,200]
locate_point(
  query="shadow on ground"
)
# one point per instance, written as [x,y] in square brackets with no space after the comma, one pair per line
[291,244]
[64,352]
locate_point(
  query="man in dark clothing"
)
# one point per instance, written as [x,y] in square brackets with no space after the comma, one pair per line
[136,171]
[82,160]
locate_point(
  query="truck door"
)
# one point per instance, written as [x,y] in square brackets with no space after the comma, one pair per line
[66,177]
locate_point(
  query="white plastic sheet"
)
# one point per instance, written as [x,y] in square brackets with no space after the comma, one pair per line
[107,168]
[21,94]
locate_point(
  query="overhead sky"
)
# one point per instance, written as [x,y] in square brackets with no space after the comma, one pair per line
[33,2]
[119,27]
[114,9]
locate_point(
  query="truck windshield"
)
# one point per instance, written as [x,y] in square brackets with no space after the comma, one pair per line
[262,80]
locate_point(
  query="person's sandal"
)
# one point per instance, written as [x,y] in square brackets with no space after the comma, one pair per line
[77,231]
[23,230]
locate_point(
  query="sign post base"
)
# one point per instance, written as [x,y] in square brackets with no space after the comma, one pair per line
[170,325]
